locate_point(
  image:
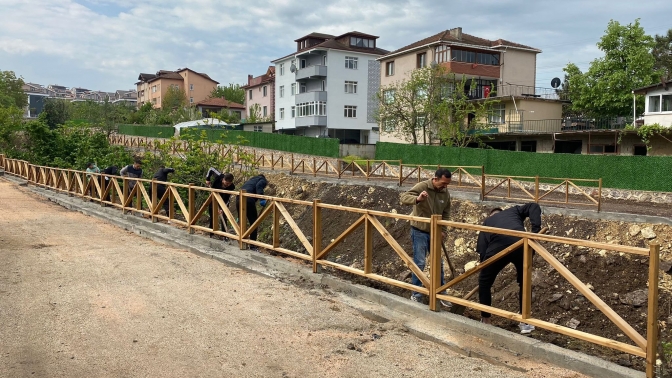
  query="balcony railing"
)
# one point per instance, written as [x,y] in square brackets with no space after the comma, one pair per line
[311,71]
[560,125]
[509,90]
[311,96]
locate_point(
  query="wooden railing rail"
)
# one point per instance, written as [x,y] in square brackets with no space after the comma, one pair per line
[188,203]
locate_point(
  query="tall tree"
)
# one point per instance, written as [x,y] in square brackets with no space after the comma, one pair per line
[432,104]
[662,55]
[11,90]
[605,90]
[175,98]
[232,92]
[56,112]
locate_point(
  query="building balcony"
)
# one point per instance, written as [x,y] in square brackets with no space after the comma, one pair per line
[311,121]
[311,96]
[311,71]
[567,125]
[509,90]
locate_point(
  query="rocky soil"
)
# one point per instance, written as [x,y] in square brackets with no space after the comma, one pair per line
[619,279]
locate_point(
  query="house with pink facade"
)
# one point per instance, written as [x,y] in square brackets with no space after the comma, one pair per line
[260,91]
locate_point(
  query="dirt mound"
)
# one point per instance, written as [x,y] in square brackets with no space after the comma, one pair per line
[619,279]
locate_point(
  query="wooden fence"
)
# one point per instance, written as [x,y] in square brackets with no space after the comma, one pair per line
[183,211]
[549,190]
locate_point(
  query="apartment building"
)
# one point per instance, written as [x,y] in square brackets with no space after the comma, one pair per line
[152,88]
[260,91]
[498,69]
[327,87]
[36,95]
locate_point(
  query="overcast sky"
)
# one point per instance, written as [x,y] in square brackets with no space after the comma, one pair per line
[105,44]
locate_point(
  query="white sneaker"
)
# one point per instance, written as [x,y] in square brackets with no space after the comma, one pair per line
[446,304]
[525,328]
[414,298]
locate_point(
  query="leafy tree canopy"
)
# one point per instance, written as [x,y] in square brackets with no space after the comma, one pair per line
[232,92]
[11,90]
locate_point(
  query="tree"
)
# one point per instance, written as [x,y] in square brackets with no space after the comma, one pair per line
[432,104]
[605,90]
[255,115]
[11,90]
[175,98]
[232,92]
[662,55]
[56,112]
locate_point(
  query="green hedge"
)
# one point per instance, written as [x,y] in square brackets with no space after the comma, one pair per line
[147,130]
[328,147]
[624,172]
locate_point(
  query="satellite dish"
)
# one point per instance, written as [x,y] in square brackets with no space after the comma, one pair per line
[292,68]
[555,82]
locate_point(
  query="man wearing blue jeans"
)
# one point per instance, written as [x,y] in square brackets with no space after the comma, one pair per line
[427,198]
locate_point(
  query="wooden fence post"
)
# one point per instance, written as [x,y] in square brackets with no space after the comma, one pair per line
[482,183]
[652,314]
[317,233]
[599,195]
[154,201]
[124,194]
[242,217]
[536,188]
[368,246]
[435,240]
[401,173]
[527,279]
[192,207]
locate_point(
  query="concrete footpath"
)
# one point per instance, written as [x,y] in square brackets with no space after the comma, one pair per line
[220,326]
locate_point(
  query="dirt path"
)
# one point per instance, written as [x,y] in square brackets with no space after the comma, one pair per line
[79,297]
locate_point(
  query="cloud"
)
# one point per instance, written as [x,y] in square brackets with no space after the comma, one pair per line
[105,44]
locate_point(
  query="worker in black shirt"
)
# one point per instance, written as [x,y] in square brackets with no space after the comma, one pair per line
[162,176]
[489,244]
[255,185]
[223,181]
[111,170]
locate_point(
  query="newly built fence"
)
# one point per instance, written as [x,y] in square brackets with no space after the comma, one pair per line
[141,196]
[570,192]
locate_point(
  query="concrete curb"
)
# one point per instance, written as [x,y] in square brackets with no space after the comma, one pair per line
[281,268]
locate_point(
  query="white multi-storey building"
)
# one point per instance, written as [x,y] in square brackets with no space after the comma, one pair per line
[327,88]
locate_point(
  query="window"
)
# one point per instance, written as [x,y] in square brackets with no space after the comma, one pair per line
[602,149]
[154,89]
[496,114]
[250,92]
[350,111]
[312,108]
[388,96]
[281,67]
[265,112]
[351,62]
[324,85]
[362,42]
[324,60]
[265,90]
[303,63]
[191,100]
[191,87]
[666,104]
[293,111]
[350,87]
[302,88]
[442,53]
[282,91]
[654,104]
[420,121]
[389,68]
[282,113]
[293,89]
[422,60]
[259,128]
[639,150]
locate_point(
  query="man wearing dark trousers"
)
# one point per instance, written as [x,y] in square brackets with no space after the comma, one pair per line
[255,185]
[489,244]
[217,180]
[162,175]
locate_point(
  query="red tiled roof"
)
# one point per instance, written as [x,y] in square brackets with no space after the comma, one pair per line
[266,78]
[467,39]
[220,102]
